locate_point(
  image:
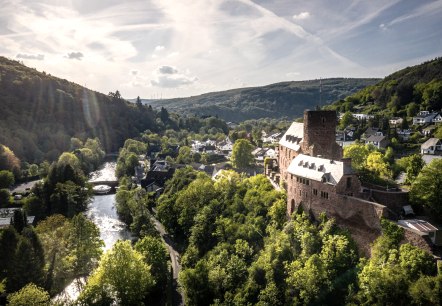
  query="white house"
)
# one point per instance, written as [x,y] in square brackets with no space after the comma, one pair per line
[395,121]
[437,119]
[363,116]
[404,134]
[424,117]
[431,146]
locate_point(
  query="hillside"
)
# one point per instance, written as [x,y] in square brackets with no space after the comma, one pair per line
[286,99]
[40,113]
[402,93]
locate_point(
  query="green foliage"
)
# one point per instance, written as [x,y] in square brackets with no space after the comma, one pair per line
[71,247]
[285,99]
[85,245]
[6,179]
[346,120]
[404,92]
[65,110]
[27,260]
[412,165]
[135,146]
[126,163]
[8,160]
[427,290]
[242,154]
[122,277]
[132,208]
[29,295]
[5,198]
[155,254]
[358,154]
[426,189]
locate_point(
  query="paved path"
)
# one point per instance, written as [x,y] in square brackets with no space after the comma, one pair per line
[178,297]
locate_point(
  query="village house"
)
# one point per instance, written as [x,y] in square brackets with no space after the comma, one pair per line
[428,130]
[424,117]
[404,134]
[395,121]
[371,131]
[379,141]
[437,118]
[431,146]
[273,138]
[361,117]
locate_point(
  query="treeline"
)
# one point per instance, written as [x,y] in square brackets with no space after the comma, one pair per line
[280,100]
[239,249]
[401,94]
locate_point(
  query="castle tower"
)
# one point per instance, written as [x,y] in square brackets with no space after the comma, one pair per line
[320,135]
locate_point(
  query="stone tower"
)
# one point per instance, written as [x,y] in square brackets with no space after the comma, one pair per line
[320,135]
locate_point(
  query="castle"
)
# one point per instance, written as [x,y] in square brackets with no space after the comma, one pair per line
[318,179]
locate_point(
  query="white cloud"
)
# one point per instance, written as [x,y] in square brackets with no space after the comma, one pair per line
[167,70]
[258,42]
[301,16]
[75,55]
[38,57]
[170,77]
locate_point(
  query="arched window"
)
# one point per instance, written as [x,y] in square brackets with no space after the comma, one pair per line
[292,206]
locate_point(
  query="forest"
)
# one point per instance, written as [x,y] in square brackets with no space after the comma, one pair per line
[401,94]
[281,100]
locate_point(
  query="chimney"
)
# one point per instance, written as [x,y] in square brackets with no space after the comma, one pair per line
[347,165]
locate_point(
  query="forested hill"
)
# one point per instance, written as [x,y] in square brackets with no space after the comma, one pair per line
[40,113]
[286,99]
[402,93]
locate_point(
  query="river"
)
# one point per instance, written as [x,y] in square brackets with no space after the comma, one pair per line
[103,213]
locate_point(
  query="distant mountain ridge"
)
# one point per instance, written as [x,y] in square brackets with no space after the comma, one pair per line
[285,99]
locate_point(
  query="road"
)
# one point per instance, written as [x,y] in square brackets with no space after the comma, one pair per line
[178,297]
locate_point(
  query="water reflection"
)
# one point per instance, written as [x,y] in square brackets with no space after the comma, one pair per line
[103,213]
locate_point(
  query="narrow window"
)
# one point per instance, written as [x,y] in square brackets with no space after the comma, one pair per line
[348,182]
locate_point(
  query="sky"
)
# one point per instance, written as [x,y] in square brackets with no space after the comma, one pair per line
[178,48]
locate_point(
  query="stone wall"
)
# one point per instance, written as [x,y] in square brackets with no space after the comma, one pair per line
[320,135]
[392,199]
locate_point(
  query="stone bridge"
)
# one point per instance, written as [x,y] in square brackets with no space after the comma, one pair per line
[112,184]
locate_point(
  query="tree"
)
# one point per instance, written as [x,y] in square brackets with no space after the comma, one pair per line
[242,154]
[415,165]
[346,120]
[426,190]
[29,295]
[6,179]
[122,277]
[8,160]
[86,245]
[19,220]
[138,102]
[156,256]
[376,164]
[358,154]
[5,197]
[184,155]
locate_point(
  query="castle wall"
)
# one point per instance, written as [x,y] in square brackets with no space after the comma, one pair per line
[285,157]
[320,135]
[393,200]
